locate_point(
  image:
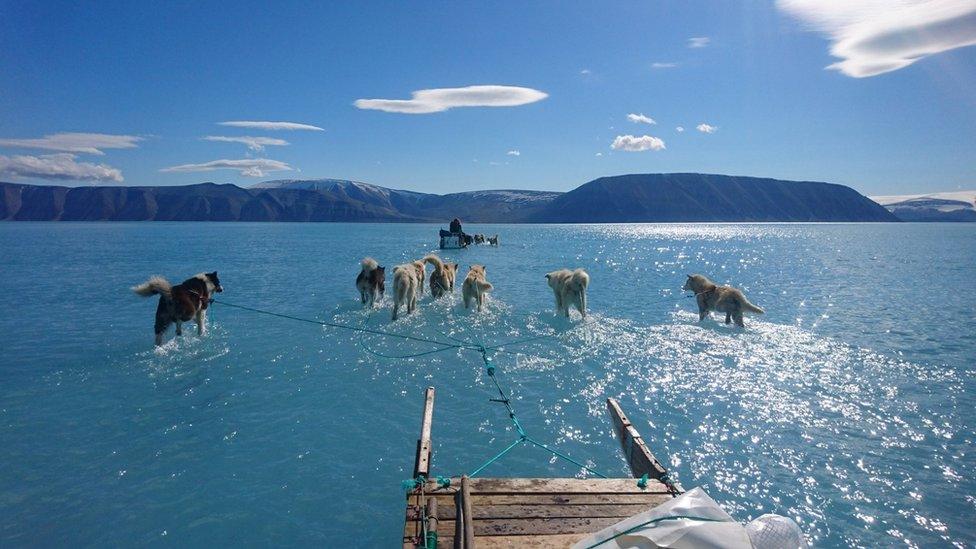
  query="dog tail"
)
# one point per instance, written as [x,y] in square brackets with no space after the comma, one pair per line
[580,280]
[369,264]
[746,306]
[485,285]
[155,285]
[435,261]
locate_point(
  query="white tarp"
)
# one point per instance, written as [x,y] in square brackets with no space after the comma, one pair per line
[668,525]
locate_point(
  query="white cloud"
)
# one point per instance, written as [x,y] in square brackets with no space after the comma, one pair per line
[599,154]
[514,152]
[88,143]
[253,143]
[706,128]
[442,99]
[250,167]
[679,129]
[262,125]
[872,37]
[585,71]
[698,41]
[640,119]
[660,65]
[634,143]
[60,166]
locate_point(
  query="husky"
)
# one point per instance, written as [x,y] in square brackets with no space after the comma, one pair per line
[371,281]
[475,287]
[724,299]
[420,266]
[180,303]
[569,287]
[406,285]
[493,240]
[442,279]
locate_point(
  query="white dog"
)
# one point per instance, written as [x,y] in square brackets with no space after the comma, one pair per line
[569,288]
[475,287]
[406,286]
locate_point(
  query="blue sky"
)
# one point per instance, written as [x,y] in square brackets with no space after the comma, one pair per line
[152,81]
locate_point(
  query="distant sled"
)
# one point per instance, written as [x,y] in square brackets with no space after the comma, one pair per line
[453,241]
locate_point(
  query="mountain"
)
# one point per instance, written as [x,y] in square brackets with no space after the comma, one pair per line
[950,206]
[494,206]
[626,198]
[685,197]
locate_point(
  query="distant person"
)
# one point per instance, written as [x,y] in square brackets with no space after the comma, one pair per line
[456,226]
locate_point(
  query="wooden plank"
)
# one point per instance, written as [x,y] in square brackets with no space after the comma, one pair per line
[468,517]
[432,516]
[423,458]
[638,455]
[552,541]
[530,527]
[553,486]
[651,498]
[449,512]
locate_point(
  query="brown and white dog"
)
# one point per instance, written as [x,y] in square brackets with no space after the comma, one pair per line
[442,279]
[180,303]
[406,286]
[475,287]
[724,299]
[569,288]
[371,281]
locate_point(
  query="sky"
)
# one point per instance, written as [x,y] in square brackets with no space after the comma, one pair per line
[879,95]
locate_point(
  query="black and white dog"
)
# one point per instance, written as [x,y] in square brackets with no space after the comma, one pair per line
[180,303]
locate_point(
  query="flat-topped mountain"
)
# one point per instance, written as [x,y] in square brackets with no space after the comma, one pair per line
[679,197]
[619,199]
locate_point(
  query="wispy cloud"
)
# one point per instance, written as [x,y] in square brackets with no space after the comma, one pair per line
[60,167]
[872,37]
[660,65]
[599,154]
[514,152]
[706,128]
[699,41]
[442,99]
[87,143]
[253,143]
[640,119]
[273,126]
[634,143]
[586,71]
[679,129]
[250,167]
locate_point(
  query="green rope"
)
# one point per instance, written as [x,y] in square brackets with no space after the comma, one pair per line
[650,522]
[444,346]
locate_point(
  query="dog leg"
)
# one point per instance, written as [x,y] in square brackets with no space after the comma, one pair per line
[738,319]
[702,313]
[201,322]
[362,296]
[179,328]
[728,318]
[396,308]
[159,339]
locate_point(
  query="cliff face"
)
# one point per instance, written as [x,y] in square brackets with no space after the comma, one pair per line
[621,199]
[704,197]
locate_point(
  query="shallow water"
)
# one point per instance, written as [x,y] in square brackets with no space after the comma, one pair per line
[848,406]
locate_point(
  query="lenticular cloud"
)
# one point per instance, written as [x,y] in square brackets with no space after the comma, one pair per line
[872,37]
[442,99]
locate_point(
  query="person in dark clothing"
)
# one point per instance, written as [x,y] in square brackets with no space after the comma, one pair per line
[456,226]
